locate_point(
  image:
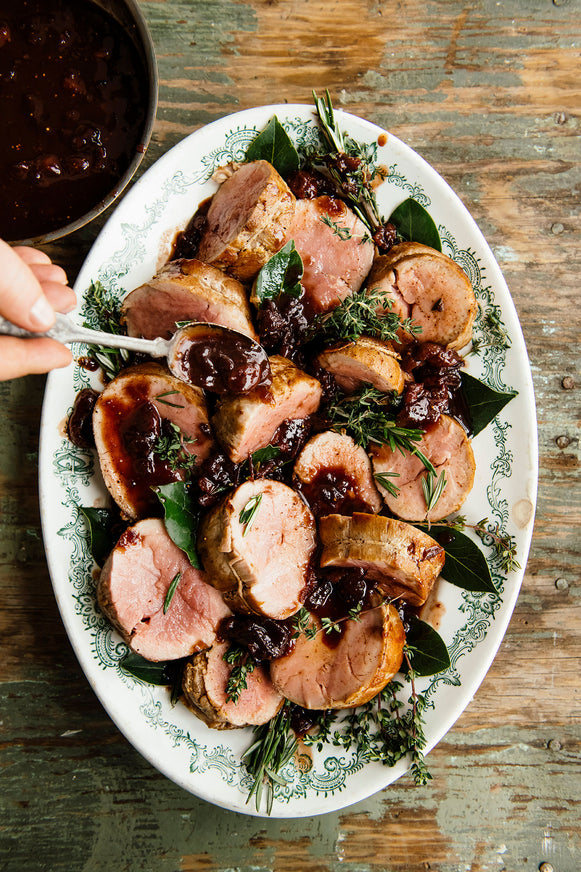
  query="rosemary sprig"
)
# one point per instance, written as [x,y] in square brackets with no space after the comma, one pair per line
[504,545]
[351,165]
[170,591]
[161,398]
[383,478]
[433,488]
[242,666]
[274,746]
[364,313]
[248,513]
[170,447]
[102,311]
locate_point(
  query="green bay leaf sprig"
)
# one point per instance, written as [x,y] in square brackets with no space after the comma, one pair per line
[181,517]
[484,402]
[274,145]
[281,274]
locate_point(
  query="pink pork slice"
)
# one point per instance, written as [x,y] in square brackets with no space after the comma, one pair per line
[245,423]
[204,684]
[133,587]
[322,672]
[260,560]
[248,220]
[329,237]
[187,290]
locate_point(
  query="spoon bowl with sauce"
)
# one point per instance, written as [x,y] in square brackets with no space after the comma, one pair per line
[206,355]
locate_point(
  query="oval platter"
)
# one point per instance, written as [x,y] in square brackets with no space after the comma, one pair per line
[131,247]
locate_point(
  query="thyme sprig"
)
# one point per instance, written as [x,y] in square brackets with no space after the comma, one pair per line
[364,313]
[274,746]
[171,448]
[242,666]
[503,544]
[367,418]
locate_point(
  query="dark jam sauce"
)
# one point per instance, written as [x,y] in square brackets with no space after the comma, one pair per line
[80,423]
[187,242]
[73,92]
[218,474]
[334,594]
[265,638]
[331,491]
[437,387]
[222,361]
[141,431]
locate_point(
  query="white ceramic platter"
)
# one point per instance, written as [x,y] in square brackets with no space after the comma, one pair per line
[133,244]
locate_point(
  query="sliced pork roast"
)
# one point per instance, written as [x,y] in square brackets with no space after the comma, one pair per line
[204,685]
[133,593]
[448,448]
[187,290]
[345,669]
[431,289]
[135,410]
[256,546]
[365,361]
[335,249]
[248,220]
[334,474]
[243,424]
[402,558]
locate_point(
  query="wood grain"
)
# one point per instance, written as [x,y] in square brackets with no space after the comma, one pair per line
[489,94]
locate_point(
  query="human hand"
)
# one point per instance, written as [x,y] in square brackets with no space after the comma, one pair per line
[32,289]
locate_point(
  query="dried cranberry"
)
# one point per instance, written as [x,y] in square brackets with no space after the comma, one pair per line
[385,237]
[80,423]
[265,638]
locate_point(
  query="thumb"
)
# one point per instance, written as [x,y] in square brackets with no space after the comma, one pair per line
[21,297]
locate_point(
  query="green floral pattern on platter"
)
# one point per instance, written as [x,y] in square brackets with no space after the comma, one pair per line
[73,468]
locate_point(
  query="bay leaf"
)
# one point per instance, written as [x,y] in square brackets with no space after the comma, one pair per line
[275,145]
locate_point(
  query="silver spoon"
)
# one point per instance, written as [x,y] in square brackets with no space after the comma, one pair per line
[203,354]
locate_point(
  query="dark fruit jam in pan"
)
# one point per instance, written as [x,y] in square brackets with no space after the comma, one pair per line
[73,92]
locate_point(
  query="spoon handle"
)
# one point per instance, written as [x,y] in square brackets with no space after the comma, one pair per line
[66,331]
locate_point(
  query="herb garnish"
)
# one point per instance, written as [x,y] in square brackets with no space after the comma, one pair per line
[383,479]
[342,232]
[161,398]
[170,447]
[504,545]
[102,311]
[248,513]
[364,313]
[366,418]
[242,666]
[433,488]
[170,591]
[281,274]
[274,746]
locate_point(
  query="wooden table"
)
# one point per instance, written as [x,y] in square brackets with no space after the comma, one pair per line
[489,93]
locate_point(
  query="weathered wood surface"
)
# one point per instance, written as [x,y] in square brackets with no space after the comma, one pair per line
[489,93]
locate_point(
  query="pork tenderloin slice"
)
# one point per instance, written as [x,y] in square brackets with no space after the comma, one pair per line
[447,446]
[323,673]
[335,460]
[335,249]
[430,288]
[204,686]
[245,423]
[133,586]
[140,397]
[405,560]
[260,566]
[366,361]
[187,290]
[248,220]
